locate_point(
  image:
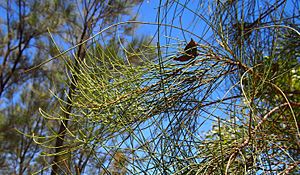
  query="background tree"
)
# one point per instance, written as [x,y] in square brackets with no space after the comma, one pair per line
[24,43]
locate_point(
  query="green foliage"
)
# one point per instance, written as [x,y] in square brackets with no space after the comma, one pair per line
[243,83]
[108,100]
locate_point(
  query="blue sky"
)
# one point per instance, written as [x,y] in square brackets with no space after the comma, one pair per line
[177,16]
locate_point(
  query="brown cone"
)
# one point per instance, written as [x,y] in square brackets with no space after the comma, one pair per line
[190,52]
